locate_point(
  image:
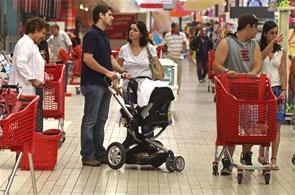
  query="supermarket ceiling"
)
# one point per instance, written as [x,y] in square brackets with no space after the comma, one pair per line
[127,6]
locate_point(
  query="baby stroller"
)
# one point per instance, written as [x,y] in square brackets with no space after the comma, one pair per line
[142,148]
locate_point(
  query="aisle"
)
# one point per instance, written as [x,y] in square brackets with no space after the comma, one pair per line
[192,136]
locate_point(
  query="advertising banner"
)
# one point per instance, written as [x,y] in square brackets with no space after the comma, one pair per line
[119,29]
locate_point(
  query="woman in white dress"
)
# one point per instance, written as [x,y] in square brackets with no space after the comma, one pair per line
[274,65]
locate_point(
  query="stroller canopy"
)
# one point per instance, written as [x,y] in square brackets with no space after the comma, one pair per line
[150,91]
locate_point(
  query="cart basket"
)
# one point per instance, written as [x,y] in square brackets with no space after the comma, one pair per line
[18,128]
[245,110]
[54,94]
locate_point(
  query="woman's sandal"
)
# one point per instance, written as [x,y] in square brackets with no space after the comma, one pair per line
[274,165]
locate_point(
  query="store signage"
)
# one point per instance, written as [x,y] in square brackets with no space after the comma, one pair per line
[154,4]
[153,1]
[119,29]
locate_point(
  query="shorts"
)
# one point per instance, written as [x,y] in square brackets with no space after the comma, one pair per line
[281,106]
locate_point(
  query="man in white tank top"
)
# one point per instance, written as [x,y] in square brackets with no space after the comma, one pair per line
[238,53]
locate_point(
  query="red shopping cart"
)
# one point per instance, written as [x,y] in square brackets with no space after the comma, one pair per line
[246,114]
[211,73]
[159,49]
[76,70]
[17,135]
[54,94]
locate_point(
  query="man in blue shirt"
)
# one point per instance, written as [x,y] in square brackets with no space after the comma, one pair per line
[97,63]
[202,44]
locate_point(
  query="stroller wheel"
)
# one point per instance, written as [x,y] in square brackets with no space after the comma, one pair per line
[169,164]
[178,163]
[267,177]
[240,177]
[293,159]
[116,155]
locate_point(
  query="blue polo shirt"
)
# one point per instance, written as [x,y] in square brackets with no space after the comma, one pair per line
[97,43]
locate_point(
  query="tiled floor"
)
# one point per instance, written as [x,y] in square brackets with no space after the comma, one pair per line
[192,136]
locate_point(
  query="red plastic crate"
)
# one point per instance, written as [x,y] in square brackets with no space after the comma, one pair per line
[54,95]
[245,110]
[45,150]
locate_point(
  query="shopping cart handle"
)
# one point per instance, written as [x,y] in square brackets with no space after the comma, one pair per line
[11,86]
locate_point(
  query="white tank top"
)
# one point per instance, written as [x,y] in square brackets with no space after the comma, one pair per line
[271,67]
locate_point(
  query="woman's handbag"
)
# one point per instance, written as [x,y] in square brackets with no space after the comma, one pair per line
[156,74]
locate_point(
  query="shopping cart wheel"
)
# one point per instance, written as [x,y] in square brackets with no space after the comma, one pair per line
[240,178]
[78,90]
[61,124]
[178,163]
[267,177]
[215,169]
[169,164]
[293,159]
[116,155]
[62,139]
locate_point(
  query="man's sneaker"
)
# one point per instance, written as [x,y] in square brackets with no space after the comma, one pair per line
[246,159]
[227,167]
[91,161]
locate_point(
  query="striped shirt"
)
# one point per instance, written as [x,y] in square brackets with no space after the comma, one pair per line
[175,44]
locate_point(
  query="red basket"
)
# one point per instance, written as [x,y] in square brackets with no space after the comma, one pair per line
[54,95]
[245,110]
[115,52]
[18,128]
[159,49]
[211,73]
[45,150]
[77,52]
[64,55]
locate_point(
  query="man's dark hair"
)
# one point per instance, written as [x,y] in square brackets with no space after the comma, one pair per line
[268,25]
[99,9]
[173,25]
[245,20]
[144,35]
[35,24]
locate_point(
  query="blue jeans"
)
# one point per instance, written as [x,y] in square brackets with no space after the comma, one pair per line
[96,109]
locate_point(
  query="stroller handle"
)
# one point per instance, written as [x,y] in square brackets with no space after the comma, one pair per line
[109,82]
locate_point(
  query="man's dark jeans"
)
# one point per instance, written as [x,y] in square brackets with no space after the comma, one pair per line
[96,108]
[202,67]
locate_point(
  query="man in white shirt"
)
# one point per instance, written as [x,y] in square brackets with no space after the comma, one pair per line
[175,42]
[28,64]
[60,44]
[59,40]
